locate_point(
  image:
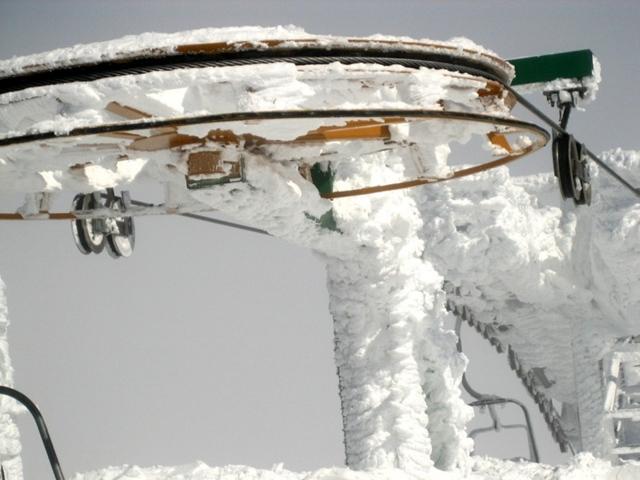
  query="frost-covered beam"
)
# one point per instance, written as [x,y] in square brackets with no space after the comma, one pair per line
[9,436]
[558,284]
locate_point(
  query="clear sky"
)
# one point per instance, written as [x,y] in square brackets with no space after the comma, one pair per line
[216,344]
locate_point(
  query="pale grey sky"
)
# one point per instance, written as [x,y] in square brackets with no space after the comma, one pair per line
[229,331]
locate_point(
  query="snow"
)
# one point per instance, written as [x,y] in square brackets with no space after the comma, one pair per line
[9,435]
[236,37]
[491,219]
[582,467]
[552,275]
[218,91]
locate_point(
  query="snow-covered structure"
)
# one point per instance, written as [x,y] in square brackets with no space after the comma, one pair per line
[556,286]
[9,436]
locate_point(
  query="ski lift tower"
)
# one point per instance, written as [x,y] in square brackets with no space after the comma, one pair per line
[284,131]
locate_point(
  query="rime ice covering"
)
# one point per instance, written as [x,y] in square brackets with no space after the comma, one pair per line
[9,435]
[519,228]
[563,282]
[583,467]
[549,274]
[135,45]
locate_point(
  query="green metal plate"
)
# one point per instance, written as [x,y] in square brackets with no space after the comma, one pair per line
[545,68]
[322,178]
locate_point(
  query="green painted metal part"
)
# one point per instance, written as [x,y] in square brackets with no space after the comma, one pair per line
[322,178]
[326,221]
[545,68]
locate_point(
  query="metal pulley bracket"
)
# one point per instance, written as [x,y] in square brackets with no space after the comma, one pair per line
[564,97]
[122,239]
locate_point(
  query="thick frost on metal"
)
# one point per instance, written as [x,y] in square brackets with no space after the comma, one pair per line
[561,284]
[9,436]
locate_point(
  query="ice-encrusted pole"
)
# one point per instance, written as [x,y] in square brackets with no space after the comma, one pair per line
[384,301]
[383,408]
[9,436]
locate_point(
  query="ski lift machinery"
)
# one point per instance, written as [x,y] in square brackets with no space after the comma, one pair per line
[105,219]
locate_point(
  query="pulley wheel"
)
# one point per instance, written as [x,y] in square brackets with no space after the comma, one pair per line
[77,229]
[570,166]
[121,241]
[90,226]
